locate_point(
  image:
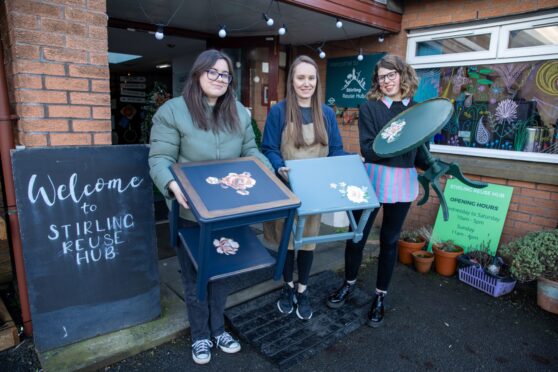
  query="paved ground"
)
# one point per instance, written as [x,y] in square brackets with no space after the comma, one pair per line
[433,323]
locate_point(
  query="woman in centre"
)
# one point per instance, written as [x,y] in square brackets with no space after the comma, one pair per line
[299,127]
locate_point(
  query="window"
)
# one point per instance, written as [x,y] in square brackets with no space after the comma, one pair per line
[505,94]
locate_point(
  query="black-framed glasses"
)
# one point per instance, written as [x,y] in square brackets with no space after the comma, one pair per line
[389,76]
[213,75]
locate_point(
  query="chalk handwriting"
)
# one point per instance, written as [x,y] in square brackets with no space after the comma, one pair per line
[52,192]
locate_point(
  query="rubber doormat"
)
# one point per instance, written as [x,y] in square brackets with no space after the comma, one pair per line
[285,339]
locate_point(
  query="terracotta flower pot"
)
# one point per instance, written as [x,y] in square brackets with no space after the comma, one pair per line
[423,260]
[405,249]
[547,294]
[446,262]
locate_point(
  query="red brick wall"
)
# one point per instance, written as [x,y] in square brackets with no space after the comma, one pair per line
[57,69]
[420,13]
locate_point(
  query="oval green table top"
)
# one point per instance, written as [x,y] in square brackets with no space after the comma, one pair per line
[413,127]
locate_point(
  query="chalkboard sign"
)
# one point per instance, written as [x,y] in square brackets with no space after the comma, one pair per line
[87,227]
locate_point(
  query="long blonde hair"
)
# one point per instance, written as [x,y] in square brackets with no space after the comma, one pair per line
[293,113]
[407,77]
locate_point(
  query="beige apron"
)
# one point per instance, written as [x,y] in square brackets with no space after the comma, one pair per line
[274,229]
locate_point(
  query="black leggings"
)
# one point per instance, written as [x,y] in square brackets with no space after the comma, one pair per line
[303,262]
[394,217]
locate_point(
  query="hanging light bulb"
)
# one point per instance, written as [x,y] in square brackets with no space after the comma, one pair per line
[381,38]
[338,24]
[322,53]
[222,32]
[159,34]
[360,57]
[267,19]
[282,30]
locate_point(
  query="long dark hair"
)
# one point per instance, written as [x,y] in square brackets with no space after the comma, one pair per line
[224,115]
[407,77]
[293,113]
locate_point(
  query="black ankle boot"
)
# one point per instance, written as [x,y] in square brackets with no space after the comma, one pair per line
[338,298]
[376,313]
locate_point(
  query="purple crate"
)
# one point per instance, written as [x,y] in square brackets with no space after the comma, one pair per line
[476,277]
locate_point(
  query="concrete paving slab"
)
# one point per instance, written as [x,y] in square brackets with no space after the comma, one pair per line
[103,350]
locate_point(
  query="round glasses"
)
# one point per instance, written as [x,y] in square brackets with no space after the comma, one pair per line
[213,75]
[389,76]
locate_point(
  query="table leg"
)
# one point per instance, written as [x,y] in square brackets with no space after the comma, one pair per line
[361,223]
[284,245]
[202,275]
[299,230]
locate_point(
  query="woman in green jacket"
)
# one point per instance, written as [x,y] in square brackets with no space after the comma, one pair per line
[206,123]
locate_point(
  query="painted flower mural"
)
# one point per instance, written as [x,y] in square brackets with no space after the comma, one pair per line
[226,246]
[506,111]
[239,182]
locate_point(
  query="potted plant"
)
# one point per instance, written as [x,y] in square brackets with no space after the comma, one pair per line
[446,254]
[409,242]
[423,260]
[535,257]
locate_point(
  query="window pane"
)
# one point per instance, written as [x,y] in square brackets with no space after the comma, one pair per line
[511,106]
[534,37]
[463,44]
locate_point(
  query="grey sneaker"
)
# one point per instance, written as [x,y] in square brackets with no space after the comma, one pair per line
[303,308]
[285,304]
[201,351]
[227,343]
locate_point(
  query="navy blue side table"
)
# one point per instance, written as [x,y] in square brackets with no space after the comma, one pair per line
[226,197]
[331,184]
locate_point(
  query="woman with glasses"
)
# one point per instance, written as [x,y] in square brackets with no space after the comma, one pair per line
[394,179]
[299,127]
[205,123]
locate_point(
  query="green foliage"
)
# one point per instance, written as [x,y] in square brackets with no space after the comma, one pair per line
[156,98]
[534,255]
[412,236]
[257,133]
[448,246]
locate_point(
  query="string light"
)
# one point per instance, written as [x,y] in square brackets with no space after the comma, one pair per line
[268,20]
[338,24]
[222,32]
[160,33]
[282,30]
[360,57]
[322,53]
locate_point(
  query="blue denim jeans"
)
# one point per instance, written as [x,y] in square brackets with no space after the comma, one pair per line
[207,317]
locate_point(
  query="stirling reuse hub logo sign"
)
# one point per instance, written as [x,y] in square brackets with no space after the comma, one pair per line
[348,79]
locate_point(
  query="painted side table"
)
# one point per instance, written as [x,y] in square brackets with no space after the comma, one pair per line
[226,197]
[411,129]
[331,184]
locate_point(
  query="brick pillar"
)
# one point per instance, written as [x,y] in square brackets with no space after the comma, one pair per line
[58,70]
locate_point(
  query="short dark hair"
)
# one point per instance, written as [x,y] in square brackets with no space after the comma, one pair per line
[225,115]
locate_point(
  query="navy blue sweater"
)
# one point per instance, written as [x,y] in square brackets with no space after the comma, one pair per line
[271,142]
[373,115]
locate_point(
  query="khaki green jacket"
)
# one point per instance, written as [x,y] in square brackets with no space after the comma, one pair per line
[175,138]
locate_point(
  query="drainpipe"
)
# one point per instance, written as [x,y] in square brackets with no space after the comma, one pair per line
[7,144]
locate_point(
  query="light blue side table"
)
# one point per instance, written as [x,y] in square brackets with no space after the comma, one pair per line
[331,184]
